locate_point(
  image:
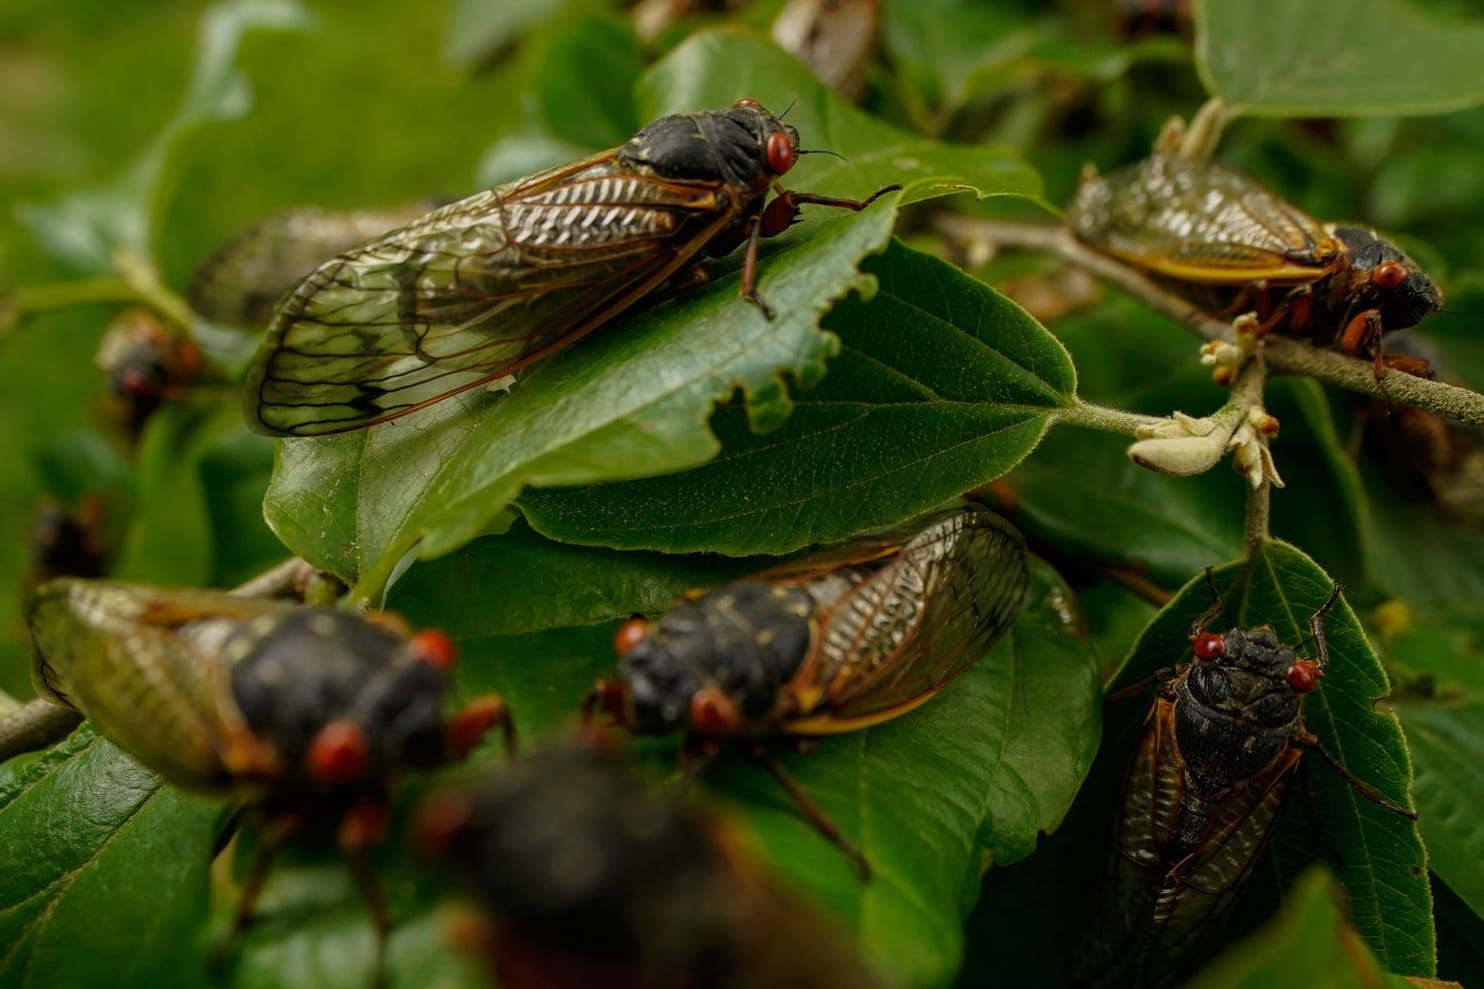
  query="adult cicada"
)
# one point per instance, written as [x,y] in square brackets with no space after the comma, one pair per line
[306,713]
[148,363]
[1218,755]
[483,287]
[1220,240]
[583,878]
[841,640]
[240,282]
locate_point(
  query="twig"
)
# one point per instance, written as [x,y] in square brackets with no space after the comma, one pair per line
[1283,355]
[35,725]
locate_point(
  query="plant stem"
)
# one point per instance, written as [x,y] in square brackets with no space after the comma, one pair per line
[56,295]
[1205,130]
[35,725]
[1259,514]
[1090,416]
[1283,355]
[1248,388]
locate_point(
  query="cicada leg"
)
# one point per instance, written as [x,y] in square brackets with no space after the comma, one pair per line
[363,826]
[813,812]
[274,833]
[1357,784]
[470,723]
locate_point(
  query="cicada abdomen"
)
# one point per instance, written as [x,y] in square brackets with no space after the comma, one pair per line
[586,880]
[838,641]
[1230,246]
[307,713]
[483,287]
[1214,765]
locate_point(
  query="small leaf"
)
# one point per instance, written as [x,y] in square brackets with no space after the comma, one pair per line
[1384,862]
[1309,946]
[106,872]
[478,29]
[942,384]
[87,228]
[1317,58]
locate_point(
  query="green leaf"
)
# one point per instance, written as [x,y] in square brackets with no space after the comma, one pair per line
[1384,862]
[1309,946]
[106,872]
[1442,710]
[969,779]
[905,420]
[478,29]
[1316,58]
[88,229]
[633,400]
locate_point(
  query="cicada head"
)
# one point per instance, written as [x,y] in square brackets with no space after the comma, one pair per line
[745,147]
[340,700]
[576,860]
[712,664]
[1247,677]
[1386,278]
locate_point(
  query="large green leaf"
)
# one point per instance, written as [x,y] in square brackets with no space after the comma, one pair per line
[1384,862]
[632,401]
[941,385]
[87,229]
[1337,58]
[105,880]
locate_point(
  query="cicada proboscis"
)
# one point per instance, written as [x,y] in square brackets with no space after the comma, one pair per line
[842,640]
[306,713]
[1219,754]
[1222,241]
[481,288]
[583,878]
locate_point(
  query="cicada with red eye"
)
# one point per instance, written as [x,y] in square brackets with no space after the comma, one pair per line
[148,363]
[1230,246]
[308,714]
[1218,755]
[842,640]
[241,281]
[481,288]
[584,879]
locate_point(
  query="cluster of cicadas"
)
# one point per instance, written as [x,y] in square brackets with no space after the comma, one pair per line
[584,877]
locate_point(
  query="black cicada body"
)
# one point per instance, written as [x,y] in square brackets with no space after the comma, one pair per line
[848,638]
[148,363]
[241,281]
[307,713]
[1219,239]
[589,881]
[1218,756]
[485,286]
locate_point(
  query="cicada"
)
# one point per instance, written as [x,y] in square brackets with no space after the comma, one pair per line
[1218,755]
[842,640]
[306,713]
[68,543]
[583,878]
[241,281]
[479,289]
[1230,246]
[148,363]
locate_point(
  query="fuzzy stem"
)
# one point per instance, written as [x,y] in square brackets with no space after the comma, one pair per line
[1090,416]
[1283,355]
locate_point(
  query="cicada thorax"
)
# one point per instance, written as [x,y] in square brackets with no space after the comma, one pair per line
[587,878]
[1230,246]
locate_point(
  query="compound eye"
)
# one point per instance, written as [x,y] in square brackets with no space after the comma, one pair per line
[1389,275]
[1208,646]
[1303,676]
[630,634]
[744,101]
[780,152]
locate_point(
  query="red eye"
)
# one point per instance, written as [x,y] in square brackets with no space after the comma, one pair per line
[630,634]
[780,152]
[1304,676]
[1208,646]
[747,102]
[1389,275]
[434,648]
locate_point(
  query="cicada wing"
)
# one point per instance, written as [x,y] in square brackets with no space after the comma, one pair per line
[1198,222]
[921,619]
[143,664]
[239,283]
[472,292]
